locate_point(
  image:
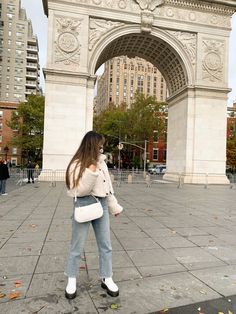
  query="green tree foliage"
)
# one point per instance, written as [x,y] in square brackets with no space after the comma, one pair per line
[145,115]
[134,125]
[28,120]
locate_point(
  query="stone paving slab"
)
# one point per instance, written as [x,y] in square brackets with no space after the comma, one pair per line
[171,247]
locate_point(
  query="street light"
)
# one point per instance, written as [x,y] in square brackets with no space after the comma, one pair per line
[145,153]
[6,150]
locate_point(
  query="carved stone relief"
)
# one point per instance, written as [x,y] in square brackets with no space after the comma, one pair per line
[205,18]
[212,64]
[149,5]
[184,10]
[67,44]
[188,41]
[98,27]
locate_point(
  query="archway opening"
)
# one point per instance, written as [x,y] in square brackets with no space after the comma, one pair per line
[153,49]
[164,58]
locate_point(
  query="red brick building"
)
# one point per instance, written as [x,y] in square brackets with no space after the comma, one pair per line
[7,151]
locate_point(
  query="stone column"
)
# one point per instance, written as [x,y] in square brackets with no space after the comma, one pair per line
[197,137]
[69,89]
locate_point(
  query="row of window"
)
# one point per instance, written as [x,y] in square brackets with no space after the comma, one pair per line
[13,150]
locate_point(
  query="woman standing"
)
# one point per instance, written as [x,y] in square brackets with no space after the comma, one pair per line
[87,174]
[4,175]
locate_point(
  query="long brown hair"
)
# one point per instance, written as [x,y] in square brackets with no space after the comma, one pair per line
[86,155]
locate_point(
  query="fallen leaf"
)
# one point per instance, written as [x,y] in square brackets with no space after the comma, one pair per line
[14,295]
[33,226]
[114,306]
[164,311]
[82,267]
[173,231]
[4,277]
[202,292]
[229,312]
[220,313]
[2,295]
[17,284]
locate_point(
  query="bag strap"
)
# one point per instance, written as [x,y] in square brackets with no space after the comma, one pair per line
[75,197]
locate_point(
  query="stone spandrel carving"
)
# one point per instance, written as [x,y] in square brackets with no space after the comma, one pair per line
[98,27]
[67,44]
[188,41]
[212,64]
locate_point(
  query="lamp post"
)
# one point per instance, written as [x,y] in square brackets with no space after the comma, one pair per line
[6,150]
[145,153]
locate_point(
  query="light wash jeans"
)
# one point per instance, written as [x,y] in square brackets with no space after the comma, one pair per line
[3,186]
[101,227]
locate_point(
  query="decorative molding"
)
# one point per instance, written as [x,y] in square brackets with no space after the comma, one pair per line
[182,14]
[203,6]
[67,44]
[212,64]
[98,27]
[188,41]
[149,5]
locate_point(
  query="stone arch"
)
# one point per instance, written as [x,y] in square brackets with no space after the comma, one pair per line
[171,59]
[191,39]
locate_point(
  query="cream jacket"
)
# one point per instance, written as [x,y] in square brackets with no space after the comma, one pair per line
[96,183]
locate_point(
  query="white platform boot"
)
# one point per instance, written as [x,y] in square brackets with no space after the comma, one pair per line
[71,292]
[109,285]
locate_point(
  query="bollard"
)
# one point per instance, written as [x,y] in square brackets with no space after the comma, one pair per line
[130,179]
[206,183]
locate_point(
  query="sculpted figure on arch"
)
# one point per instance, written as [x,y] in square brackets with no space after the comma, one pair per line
[149,4]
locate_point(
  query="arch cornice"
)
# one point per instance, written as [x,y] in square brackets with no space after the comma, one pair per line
[107,38]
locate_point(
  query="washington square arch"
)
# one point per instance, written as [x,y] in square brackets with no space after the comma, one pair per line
[187,40]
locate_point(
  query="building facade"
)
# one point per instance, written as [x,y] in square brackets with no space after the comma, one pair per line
[19,54]
[7,151]
[124,76]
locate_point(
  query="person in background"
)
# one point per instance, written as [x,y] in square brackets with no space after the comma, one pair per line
[4,175]
[30,171]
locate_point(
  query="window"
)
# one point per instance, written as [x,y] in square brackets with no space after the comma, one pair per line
[14,150]
[1,113]
[155,153]
[9,41]
[1,125]
[155,136]
[0,138]
[9,33]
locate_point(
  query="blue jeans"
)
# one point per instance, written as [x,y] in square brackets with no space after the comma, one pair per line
[3,186]
[101,227]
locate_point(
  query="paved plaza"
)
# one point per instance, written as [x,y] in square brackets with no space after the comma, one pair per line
[171,247]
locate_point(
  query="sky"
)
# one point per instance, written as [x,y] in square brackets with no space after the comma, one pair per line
[39,20]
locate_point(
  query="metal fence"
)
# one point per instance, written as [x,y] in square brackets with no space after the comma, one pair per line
[23,176]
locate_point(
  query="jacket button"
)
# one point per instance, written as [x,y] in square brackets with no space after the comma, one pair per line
[100,169]
[107,193]
[104,180]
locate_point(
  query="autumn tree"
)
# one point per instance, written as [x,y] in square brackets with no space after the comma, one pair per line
[28,120]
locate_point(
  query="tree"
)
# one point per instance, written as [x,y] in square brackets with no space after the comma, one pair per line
[28,120]
[134,125]
[145,116]
[231,146]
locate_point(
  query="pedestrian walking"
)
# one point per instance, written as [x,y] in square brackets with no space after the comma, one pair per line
[4,175]
[87,176]
[30,172]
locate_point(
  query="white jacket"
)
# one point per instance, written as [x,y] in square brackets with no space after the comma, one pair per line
[96,183]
